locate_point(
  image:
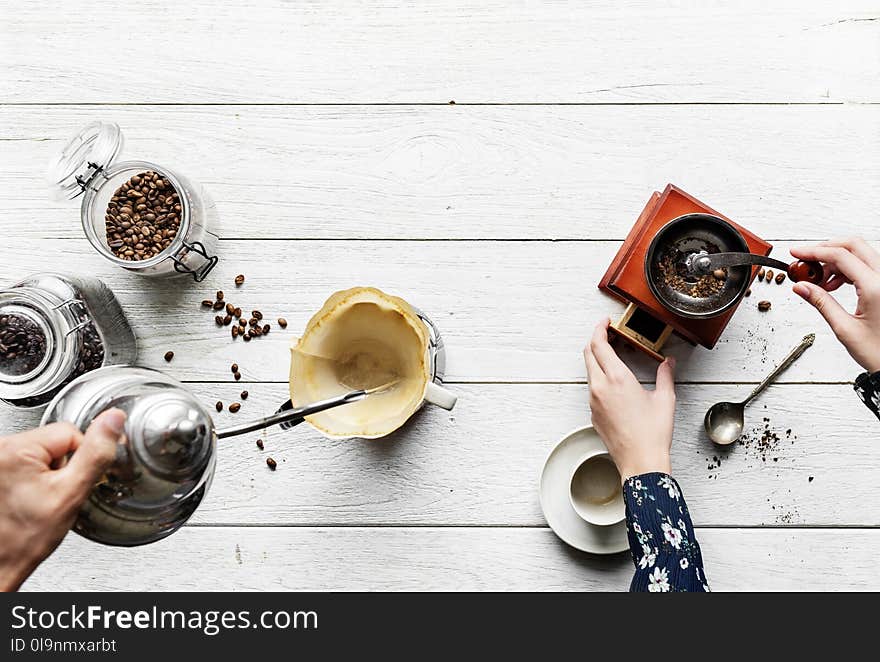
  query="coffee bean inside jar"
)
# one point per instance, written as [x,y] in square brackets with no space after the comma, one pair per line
[22,345]
[90,357]
[143,217]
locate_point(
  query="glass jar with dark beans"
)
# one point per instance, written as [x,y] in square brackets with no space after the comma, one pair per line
[141,216]
[22,344]
[54,328]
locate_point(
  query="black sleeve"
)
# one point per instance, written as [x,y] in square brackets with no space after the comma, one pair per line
[867,386]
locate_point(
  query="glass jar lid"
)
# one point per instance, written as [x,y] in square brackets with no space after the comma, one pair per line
[85,155]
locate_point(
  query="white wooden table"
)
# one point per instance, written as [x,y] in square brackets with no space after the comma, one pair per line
[326,134]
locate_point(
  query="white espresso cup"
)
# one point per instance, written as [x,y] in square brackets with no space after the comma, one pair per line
[595,491]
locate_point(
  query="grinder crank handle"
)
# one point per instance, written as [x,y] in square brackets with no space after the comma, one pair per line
[705,263]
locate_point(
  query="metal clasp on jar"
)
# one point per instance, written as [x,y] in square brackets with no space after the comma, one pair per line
[92,175]
[201,272]
[80,314]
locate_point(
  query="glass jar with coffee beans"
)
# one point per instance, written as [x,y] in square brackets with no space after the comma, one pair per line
[54,328]
[141,216]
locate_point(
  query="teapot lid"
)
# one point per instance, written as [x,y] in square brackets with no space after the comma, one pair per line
[170,432]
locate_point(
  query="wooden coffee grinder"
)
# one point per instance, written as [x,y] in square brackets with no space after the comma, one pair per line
[677,222]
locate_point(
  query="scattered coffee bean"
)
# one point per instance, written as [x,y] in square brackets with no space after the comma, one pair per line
[761,273]
[218,305]
[219,295]
[237,376]
[234,368]
[218,320]
[234,407]
[230,309]
[237,312]
[256,332]
[282,322]
[272,463]
[239,280]
[227,320]
[266,328]
[169,355]
[235,330]
[247,337]
[763,306]
[207,303]
[140,223]
[257,314]
[720,274]
[244,395]
[779,278]
[253,321]
[769,276]
[218,406]
[749,292]
[242,322]
[260,444]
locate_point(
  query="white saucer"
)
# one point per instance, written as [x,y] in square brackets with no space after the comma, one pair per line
[555,502]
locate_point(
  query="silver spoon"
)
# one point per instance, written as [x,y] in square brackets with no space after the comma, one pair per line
[724,420]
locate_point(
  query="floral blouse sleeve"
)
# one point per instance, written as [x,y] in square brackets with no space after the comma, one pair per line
[661,537]
[867,387]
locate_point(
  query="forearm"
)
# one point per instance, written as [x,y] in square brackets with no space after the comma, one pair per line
[661,536]
[13,572]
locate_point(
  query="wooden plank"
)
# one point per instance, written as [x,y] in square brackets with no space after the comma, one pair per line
[480,464]
[509,311]
[437,50]
[784,172]
[425,559]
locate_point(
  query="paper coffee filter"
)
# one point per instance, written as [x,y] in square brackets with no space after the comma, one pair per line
[361,338]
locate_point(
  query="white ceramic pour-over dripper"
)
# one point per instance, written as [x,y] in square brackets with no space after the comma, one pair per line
[362,337]
[287,419]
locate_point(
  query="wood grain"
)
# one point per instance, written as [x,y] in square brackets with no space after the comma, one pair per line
[549,172]
[323,132]
[480,464]
[439,50]
[509,311]
[430,559]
